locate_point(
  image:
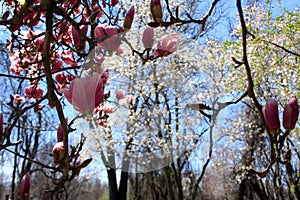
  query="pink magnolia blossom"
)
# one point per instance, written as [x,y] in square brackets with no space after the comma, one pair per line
[271,115]
[96,13]
[290,114]
[120,94]
[107,36]
[129,99]
[107,109]
[85,94]
[58,152]
[14,27]
[16,69]
[25,187]
[18,98]
[98,9]
[26,34]
[61,78]
[78,42]
[167,45]
[68,58]
[129,19]
[15,66]
[102,123]
[39,42]
[156,10]
[32,19]
[34,92]
[148,37]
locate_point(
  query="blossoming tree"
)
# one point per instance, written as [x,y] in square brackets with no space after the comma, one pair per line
[146,95]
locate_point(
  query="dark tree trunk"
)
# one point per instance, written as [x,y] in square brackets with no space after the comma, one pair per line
[112,183]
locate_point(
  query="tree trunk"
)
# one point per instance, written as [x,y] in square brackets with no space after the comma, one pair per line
[112,183]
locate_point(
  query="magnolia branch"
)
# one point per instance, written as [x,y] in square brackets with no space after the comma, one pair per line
[52,96]
[177,21]
[250,89]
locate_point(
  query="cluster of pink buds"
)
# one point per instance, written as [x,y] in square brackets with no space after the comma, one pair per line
[102,114]
[166,45]
[120,94]
[34,92]
[290,115]
[29,55]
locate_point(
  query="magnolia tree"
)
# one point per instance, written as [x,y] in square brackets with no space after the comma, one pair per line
[258,69]
[147,98]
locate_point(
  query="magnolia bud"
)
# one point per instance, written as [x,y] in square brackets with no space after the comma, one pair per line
[25,187]
[148,37]
[156,10]
[58,152]
[271,115]
[78,42]
[290,114]
[60,133]
[129,99]
[128,19]
[120,94]
[77,172]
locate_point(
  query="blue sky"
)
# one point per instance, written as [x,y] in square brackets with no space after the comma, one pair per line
[290,4]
